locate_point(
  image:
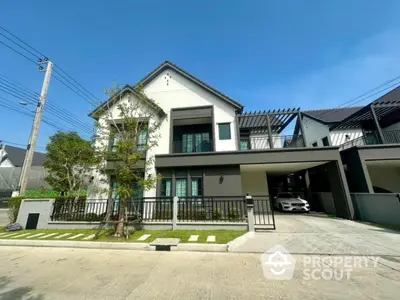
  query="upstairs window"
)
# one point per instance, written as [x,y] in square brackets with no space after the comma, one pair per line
[224,130]
[325,141]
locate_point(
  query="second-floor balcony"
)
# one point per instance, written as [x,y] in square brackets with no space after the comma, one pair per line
[191,147]
[373,138]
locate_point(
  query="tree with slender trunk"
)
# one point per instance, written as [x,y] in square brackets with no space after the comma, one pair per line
[127,131]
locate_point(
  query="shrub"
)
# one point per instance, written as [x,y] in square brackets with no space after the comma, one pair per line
[234,214]
[160,213]
[200,214]
[92,217]
[217,214]
[13,208]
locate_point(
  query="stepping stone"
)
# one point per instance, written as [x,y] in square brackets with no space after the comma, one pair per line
[36,235]
[165,242]
[63,235]
[21,235]
[10,234]
[90,237]
[75,236]
[211,239]
[48,235]
[4,233]
[193,238]
[144,237]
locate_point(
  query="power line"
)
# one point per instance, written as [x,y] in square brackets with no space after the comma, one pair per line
[351,101]
[88,92]
[19,85]
[15,43]
[25,43]
[13,49]
[73,88]
[53,109]
[23,145]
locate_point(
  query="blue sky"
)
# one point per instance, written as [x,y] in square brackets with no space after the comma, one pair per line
[265,54]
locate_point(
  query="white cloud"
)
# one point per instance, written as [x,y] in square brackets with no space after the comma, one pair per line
[371,63]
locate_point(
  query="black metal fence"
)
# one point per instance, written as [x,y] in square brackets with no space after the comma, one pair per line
[263,212]
[232,209]
[144,209]
[212,209]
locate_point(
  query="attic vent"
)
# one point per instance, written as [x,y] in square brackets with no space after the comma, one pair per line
[167,78]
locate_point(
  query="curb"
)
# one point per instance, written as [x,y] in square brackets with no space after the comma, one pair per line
[114,245]
[239,241]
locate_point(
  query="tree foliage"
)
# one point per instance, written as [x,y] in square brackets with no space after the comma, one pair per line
[70,160]
[127,131]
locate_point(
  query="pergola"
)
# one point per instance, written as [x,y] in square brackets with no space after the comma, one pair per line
[383,111]
[271,121]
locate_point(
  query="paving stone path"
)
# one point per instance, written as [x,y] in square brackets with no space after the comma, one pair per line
[75,236]
[144,237]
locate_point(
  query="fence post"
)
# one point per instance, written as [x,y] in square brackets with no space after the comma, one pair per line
[250,212]
[175,213]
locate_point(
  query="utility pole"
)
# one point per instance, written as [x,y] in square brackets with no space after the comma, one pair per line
[23,180]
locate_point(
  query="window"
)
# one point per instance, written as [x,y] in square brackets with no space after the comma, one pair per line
[114,141]
[224,131]
[197,187]
[325,141]
[315,144]
[166,187]
[142,140]
[244,144]
[181,187]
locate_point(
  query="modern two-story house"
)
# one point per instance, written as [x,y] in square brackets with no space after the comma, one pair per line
[210,147]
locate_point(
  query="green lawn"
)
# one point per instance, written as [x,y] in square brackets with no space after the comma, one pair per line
[222,236]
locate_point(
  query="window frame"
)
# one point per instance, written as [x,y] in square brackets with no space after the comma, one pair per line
[163,193]
[325,139]
[200,187]
[186,186]
[219,131]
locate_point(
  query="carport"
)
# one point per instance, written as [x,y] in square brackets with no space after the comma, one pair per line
[312,181]
[372,168]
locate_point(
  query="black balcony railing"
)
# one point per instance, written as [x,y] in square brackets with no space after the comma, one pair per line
[212,209]
[186,147]
[258,142]
[372,138]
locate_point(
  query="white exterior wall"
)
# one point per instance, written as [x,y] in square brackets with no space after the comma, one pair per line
[170,90]
[314,131]
[260,141]
[174,91]
[338,137]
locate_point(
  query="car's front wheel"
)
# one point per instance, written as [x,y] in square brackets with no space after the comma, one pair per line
[280,207]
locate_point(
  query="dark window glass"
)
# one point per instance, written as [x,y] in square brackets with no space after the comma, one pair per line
[244,144]
[197,187]
[315,144]
[325,141]
[224,131]
[166,187]
[285,195]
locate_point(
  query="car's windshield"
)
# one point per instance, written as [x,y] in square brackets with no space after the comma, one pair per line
[285,195]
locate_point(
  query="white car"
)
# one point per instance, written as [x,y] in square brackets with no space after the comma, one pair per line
[288,202]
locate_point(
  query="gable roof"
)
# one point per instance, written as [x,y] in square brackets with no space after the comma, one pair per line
[111,101]
[167,64]
[331,115]
[17,156]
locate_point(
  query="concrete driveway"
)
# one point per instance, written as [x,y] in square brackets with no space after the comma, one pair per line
[318,234]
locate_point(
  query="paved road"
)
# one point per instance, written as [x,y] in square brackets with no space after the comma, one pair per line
[318,234]
[58,273]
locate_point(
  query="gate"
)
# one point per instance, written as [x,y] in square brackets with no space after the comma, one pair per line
[263,213]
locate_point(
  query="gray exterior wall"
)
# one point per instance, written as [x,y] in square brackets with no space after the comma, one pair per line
[229,185]
[377,208]
[356,157]
[248,157]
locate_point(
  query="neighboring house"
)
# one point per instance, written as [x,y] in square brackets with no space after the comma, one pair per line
[372,161]
[210,147]
[11,161]
[14,157]
[319,126]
